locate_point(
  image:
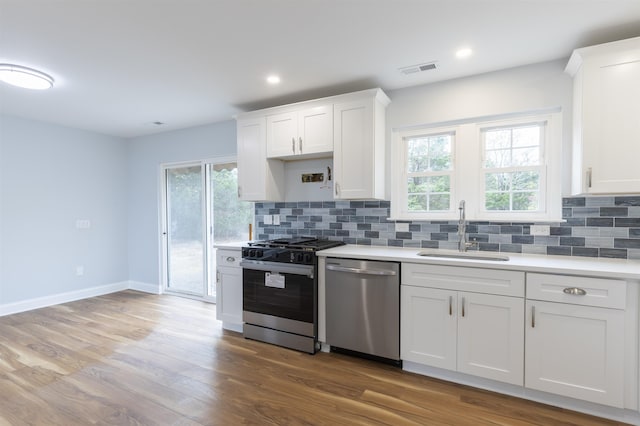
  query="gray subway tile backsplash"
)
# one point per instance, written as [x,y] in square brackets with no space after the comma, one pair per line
[592,227]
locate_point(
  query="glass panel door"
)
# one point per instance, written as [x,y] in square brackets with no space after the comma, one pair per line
[185,237]
[229,216]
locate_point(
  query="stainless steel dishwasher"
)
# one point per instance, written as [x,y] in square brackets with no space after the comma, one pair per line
[363,308]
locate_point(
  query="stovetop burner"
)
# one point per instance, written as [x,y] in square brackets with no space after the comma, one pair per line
[290,250]
[310,243]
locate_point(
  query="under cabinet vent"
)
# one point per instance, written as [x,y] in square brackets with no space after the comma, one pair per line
[418,68]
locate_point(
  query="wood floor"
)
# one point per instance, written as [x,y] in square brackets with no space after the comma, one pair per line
[136,359]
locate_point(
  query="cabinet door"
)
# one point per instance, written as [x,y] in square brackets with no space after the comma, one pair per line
[229,288]
[491,337]
[610,124]
[282,135]
[428,324]
[315,130]
[251,159]
[353,156]
[575,351]
[229,295]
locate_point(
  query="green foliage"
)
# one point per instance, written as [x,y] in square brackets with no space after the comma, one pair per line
[185,203]
[232,216]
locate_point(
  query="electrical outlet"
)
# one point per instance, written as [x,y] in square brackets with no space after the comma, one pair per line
[267,219]
[79,271]
[276,219]
[402,227]
[540,230]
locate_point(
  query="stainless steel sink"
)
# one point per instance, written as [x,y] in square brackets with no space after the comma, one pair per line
[463,255]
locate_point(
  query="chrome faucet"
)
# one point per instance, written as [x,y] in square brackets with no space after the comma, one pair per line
[463,245]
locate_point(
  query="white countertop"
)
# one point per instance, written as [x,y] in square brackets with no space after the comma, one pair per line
[232,245]
[568,265]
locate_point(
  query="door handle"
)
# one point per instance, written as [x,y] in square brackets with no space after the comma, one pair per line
[450,305]
[533,316]
[293,145]
[337,268]
[575,291]
[463,307]
[300,144]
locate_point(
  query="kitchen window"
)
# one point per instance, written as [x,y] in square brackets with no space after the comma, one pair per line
[506,170]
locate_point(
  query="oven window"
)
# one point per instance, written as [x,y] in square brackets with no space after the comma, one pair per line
[295,301]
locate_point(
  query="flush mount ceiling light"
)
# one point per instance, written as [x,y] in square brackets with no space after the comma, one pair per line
[465,52]
[27,78]
[273,79]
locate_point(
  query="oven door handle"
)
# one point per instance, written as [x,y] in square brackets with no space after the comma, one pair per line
[283,268]
[359,270]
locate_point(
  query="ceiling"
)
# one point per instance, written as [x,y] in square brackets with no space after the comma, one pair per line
[121,65]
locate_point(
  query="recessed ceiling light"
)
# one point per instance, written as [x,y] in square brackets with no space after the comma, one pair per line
[465,52]
[27,78]
[273,79]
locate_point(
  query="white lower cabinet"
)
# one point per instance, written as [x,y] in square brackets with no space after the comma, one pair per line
[468,332]
[573,349]
[229,289]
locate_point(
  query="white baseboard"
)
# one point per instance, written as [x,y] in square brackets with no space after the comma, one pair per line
[145,287]
[56,299]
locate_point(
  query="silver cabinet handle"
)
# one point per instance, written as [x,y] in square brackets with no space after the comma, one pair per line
[217,276]
[293,145]
[589,173]
[337,268]
[533,317]
[231,259]
[574,291]
[300,144]
[463,307]
[239,191]
[450,305]
[336,187]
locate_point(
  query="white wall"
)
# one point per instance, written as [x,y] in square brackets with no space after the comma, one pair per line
[50,176]
[145,155]
[528,88]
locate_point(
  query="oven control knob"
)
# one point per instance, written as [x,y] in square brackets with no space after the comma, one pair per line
[252,253]
[259,253]
[308,258]
[245,252]
[298,257]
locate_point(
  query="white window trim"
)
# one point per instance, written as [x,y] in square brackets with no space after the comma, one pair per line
[467,183]
[401,177]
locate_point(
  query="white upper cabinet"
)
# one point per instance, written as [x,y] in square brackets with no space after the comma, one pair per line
[306,133]
[606,128]
[359,148]
[349,127]
[259,179]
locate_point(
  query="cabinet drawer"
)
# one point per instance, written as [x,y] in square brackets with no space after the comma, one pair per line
[586,291]
[491,281]
[229,258]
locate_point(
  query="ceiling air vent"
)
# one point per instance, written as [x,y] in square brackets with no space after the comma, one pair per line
[413,69]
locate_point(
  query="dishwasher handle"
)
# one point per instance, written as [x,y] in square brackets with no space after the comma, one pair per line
[338,268]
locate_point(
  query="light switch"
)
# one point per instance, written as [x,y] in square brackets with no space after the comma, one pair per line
[267,219]
[83,224]
[79,271]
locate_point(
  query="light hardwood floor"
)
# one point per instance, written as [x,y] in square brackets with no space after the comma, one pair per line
[136,359]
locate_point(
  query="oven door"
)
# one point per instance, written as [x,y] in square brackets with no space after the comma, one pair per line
[280,296]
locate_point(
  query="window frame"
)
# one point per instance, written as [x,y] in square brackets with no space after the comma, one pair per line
[403,176]
[468,154]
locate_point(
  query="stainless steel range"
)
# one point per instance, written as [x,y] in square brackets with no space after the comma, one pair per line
[280,291]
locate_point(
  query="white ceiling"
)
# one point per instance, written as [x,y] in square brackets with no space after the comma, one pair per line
[121,65]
